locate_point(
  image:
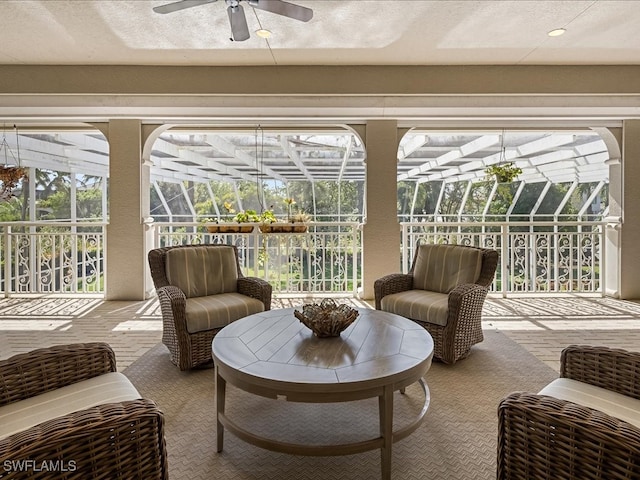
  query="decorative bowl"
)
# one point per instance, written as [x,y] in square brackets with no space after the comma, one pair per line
[327,319]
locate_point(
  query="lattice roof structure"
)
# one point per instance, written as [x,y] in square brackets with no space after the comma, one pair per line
[331,154]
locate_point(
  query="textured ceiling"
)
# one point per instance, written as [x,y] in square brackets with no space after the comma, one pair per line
[341,32]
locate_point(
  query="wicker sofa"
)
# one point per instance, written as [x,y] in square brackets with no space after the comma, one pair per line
[584,425]
[444,292]
[65,413]
[201,289]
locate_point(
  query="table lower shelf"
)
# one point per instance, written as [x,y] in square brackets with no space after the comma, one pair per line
[382,442]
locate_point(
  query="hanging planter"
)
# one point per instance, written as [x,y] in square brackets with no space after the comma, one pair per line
[10,175]
[281,227]
[503,172]
[242,222]
[296,223]
[230,228]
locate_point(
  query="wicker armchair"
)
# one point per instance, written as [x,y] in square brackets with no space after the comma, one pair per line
[547,437]
[201,289]
[117,440]
[444,292]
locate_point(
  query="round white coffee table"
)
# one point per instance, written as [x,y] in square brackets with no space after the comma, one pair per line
[273,355]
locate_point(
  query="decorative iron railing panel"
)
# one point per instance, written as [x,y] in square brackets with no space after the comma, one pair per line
[52,258]
[534,256]
[324,259]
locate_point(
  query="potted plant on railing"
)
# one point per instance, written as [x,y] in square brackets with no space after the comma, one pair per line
[296,223]
[241,222]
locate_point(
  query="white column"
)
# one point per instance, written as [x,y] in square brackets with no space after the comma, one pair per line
[630,231]
[128,193]
[381,233]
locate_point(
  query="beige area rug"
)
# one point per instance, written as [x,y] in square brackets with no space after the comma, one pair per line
[456,441]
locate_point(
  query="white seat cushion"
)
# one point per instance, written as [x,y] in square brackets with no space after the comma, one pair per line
[613,404]
[111,387]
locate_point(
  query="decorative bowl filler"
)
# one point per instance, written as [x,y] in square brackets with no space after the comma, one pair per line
[327,319]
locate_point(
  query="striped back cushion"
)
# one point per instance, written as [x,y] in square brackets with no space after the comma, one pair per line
[202,271]
[439,268]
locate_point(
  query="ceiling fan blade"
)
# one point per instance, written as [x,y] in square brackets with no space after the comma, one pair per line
[181,5]
[286,9]
[239,29]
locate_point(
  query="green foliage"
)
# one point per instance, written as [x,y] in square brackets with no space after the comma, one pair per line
[268,217]
[11,211]
[503,172]
[246,216]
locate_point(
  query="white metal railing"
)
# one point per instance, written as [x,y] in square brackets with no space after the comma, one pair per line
[326,258]
[52,258]
[69,258]
[567,257]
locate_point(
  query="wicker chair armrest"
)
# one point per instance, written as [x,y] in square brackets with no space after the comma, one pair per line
[117,440]
[173,294]
[28,374]
[173,304]
[544,437]
[256,288]
[614,369]
[465,302]
[390,284]
[489,265]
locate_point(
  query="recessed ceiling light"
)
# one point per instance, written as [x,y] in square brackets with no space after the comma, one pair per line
[262,33]
[557,32]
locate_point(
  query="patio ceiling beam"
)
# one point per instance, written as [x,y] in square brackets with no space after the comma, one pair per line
[187,199]
[416,186]
[36,152]
[592,147]
[566,199]
[230,149]
[44,163]
[412,145]
[544,143]
[295,158]
[87,141]
[176,177]
[551,157]
[540,199]
[591,198]
[169,168]
[162,198]
[469,148]
[213,199]
[57,150]
[516,197]
[184,153]
[345,159]
[465,197]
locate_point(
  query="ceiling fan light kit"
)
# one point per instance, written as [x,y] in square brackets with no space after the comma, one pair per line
[237,17]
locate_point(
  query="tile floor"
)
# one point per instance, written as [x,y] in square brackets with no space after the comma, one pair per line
[542,325]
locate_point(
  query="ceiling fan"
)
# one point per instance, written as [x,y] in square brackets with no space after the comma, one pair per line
[237,19]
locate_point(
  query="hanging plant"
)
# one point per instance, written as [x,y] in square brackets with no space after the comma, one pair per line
[10,175]
[503,172]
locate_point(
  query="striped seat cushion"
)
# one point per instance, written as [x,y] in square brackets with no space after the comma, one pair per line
[216,311]
[432,307]
[440,268]
[200,270]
